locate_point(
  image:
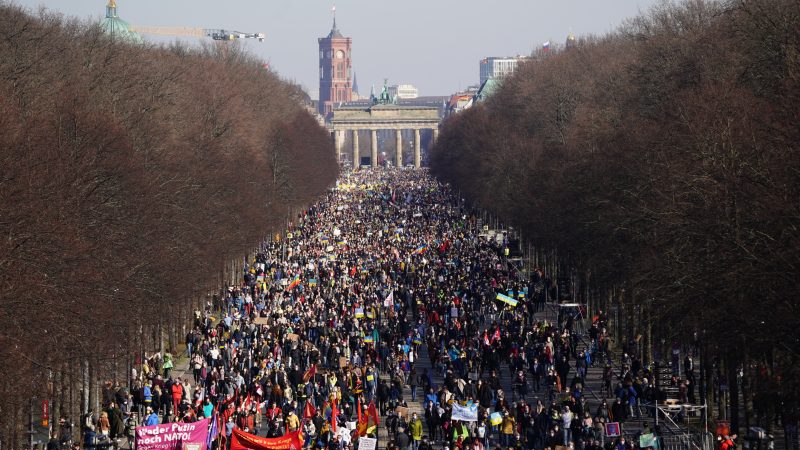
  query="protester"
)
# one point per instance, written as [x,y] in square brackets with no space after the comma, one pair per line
[332,317]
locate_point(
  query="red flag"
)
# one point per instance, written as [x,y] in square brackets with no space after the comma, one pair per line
[362,421]
[309,411]
[372,412]
[310,373]
[334,414]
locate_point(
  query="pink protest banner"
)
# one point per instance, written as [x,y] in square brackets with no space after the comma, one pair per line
[173,436]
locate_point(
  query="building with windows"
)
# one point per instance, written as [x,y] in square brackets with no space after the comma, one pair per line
[335,71]
[498,67]
[403,91]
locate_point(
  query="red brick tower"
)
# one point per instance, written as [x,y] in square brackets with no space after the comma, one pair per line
[335,74]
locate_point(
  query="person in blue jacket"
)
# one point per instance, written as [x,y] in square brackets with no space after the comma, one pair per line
[152,418]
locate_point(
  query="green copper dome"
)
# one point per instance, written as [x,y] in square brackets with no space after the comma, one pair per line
[117,27]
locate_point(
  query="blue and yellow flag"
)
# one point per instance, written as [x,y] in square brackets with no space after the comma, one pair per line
[507,300]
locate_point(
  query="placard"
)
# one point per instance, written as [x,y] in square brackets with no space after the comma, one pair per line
[613,429]
[365,443]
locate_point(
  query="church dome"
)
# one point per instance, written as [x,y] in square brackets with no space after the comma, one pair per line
[118,28]
[571,42]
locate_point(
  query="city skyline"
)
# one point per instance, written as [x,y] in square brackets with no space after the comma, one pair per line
[435,46]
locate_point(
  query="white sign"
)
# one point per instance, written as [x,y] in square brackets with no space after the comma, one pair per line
[365,443]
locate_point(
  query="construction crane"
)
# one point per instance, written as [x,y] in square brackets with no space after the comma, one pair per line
[215,34]
[116,25]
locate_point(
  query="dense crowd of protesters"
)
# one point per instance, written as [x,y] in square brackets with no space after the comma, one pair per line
[327,328]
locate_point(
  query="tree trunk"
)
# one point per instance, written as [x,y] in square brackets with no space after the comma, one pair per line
[733,384]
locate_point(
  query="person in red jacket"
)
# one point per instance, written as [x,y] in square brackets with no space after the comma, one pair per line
[177,396]
[727,443]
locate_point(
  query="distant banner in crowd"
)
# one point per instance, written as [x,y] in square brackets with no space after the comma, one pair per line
[173,436]
[467,413]
[244,441]
[507,300]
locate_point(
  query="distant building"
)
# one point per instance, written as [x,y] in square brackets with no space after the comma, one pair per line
[335,81]
[498,67]
[434,101]
[403,91]
[571,42]
[118,28]
[461,101]
[487,89]
[354,95]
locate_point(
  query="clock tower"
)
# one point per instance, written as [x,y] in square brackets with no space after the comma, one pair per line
[335,74]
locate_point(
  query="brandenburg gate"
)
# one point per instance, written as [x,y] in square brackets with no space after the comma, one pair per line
[378,117]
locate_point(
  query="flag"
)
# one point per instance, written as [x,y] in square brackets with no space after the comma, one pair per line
[359,313]
[465,413]
[212,434]
[334,414]
[309,411]
[389,300]
[363,421]
[372,412]
[546,46]
[294,283]
[368,339]
[421,249]
[310,373]
[507,300]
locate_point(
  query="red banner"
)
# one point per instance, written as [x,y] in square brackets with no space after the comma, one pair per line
[246,441]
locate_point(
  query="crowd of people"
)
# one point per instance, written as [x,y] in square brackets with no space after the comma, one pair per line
[384,307]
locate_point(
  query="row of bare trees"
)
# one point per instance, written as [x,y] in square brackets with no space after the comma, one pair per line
[130,177]
[661,162]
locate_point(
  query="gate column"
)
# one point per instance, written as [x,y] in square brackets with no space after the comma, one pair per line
[398,156]
[417,151]
[374,142]
[356,154]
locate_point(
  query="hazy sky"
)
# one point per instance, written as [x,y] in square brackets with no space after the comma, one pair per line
[433,44]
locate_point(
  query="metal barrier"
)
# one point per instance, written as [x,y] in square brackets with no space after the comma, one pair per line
[688,441]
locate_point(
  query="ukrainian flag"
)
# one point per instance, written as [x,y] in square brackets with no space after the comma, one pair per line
[369,339]
[507,300]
